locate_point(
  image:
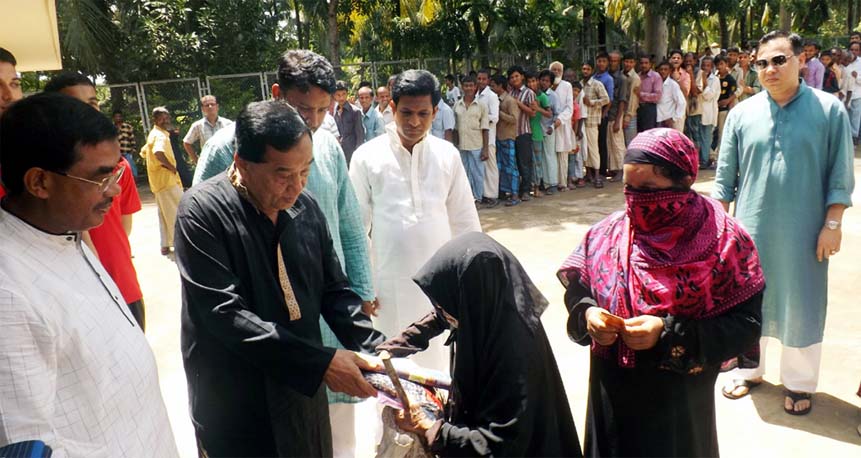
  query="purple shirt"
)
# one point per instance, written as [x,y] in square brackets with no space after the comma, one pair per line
[815,73]
[651,87]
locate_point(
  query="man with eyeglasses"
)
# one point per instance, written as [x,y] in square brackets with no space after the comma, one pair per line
[203,129]
[76,372]
[786,161]
[163,177]
[110,240]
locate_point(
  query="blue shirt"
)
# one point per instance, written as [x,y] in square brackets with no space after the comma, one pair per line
[607,80]
[443,121]
[373,122]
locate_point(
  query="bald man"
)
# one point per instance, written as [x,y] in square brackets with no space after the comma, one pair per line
[372,120]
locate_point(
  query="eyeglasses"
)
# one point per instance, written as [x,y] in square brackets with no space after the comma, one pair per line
[776,61]
[104,184]
[209,105]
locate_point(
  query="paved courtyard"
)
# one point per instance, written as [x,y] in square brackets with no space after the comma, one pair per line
[541,234]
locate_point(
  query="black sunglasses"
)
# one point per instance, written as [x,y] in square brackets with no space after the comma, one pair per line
[776,61]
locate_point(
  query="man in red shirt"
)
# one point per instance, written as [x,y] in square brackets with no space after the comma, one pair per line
[111,239]
[10,86]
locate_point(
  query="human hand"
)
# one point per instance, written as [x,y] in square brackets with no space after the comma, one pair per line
[642,332]
[418,423]
[587,101]
[370,307]
[829,243]
[854,74]
[617,126]
[599,328]
[484,155]
[557,124]
[344,375]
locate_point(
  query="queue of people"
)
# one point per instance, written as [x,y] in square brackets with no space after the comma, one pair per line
[667,292]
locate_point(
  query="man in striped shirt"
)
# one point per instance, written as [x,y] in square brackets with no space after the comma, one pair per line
[126,137]
[525,99]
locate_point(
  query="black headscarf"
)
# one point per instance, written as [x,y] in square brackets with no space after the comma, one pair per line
[474,271]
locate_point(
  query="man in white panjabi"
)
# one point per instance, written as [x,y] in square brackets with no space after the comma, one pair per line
[76,371]
[490,100]
[565,139]
[414,197]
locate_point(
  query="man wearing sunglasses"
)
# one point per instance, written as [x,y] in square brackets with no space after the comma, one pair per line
[203,129]
[76,371]
[110,240]
[786,160]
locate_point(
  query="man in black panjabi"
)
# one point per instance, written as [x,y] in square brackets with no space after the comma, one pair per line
[258,271]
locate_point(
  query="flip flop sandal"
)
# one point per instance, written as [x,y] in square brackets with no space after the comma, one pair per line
[795,398]
[737,383]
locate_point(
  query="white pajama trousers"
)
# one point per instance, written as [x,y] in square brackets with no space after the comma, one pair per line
[799,367]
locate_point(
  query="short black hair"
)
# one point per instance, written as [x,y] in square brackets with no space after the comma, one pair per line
[643,55]
[602,55]
[268,123]
[664,62]
[7,56]
[812,43]
[301,69]
[486,71]
[340,86]
[530,75]
[46,130]
[852,44]
[718,59]
[794,40]
[708,58]
[629,56]
[826,53]
[449,77]
[577,85]
[732,49]
[546,73]
[515,69]
[365,83]
[499,80]
[676,51]
[416,83]
[67,79]
[854,34]
[468,79]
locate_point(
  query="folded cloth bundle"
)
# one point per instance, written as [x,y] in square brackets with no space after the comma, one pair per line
[428,399]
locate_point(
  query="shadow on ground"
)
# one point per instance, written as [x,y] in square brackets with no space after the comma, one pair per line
[830,417]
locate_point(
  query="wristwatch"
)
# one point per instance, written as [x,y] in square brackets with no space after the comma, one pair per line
[832,224]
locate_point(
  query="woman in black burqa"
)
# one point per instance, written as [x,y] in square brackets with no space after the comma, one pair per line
[507,398]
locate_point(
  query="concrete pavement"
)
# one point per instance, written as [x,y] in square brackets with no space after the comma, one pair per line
[542,233]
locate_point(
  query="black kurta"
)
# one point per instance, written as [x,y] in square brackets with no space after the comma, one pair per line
[507,397]
[254,376]
[665,405]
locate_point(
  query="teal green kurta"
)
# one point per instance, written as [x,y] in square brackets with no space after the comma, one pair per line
[784,167]
[330,186]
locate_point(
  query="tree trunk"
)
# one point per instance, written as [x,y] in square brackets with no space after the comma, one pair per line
[482,38]
[332,33]
[656,32]
[742,28]
[602,32]
[299,30]
[724,31]
[785,17]
[850,16]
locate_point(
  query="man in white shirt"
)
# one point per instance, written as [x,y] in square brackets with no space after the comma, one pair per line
[452,94]
[672,106]
[565,138]
[708,85]
[443,122]
[414,197]
[853,77]
[203,129]
[490,100]
[76,371]
[383,105]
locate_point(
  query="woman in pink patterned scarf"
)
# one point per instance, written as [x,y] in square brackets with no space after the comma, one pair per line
[664,292]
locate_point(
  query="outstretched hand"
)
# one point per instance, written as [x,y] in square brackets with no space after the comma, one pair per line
[344,375]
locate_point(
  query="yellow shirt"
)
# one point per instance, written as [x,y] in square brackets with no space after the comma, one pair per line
[160,178]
